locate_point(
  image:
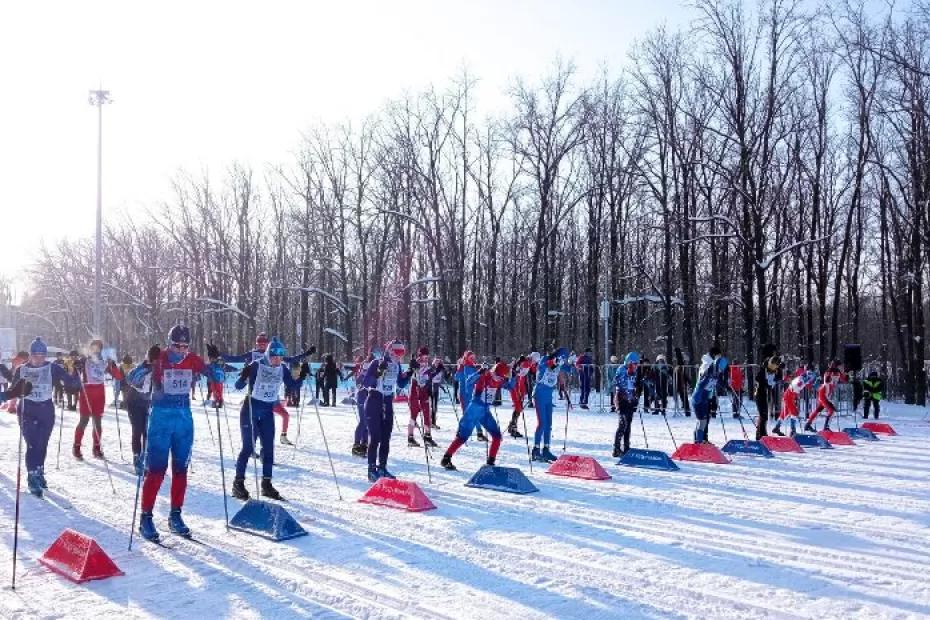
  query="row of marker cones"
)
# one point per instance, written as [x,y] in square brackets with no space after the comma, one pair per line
[79,557]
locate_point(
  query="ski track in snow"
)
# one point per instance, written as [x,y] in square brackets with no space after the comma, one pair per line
[840,533]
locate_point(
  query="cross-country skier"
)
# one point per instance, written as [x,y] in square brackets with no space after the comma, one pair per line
[628,386]
[662,377]
[439,377]
[483,386]
[256,417]
[769,373]
[831,378]
[138,401]
[93,370]
[549,368]
[521,371]
[421,382]
[872,388]
[467,367]
[585,365]
[261,343]
[36,409]
[380,380]
[360,445]
[171,429]
[713,365]
[789,404]
[737,381]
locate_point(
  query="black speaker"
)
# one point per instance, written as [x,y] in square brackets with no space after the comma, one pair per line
[852,357]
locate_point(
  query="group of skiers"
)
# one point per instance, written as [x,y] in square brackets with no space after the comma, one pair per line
[157,395]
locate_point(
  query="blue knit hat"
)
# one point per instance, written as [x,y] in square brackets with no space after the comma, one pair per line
[37,347]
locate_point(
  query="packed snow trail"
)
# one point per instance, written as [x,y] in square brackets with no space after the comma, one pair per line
[840,533]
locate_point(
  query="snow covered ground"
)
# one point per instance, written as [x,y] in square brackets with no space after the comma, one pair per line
[827,534]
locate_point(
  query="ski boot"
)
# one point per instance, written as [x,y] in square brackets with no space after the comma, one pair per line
[582,406]
[384,473]
[428,440]
[285,441]
[98,453]
[269,491]
[536,455]
[412,443]
[480,436]
[491,461]
[138,464]
[547,455]
[777,430]
[76,452]
[35,484]
[512,429]
[41,471]
[373,473]
[147,527]
[446,463]
[618,452]
[826,425]
[176,524]
[359,450]
[808,428]
[238,489]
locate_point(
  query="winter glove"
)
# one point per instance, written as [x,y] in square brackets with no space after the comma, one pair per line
[244,373]
[304,371]
[19,389]
[310,351]
[414,364]
[212,351]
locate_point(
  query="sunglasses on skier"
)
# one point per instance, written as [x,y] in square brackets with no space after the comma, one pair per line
[180,345]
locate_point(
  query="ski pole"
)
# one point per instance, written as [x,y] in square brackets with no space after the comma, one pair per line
[722,425]
[740,418]
[119,433]
[426,451]
[526,436]
[61,425]
[568,407]
[248,398]
[97,439]
[19,477]
[300,416]
[643,425]
[669,426]
[328,455]
[145,458]
[206,414]
[222,470]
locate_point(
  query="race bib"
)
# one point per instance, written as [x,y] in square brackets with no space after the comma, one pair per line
[422,377]
[389,379]
[41,379]
[550,377]
[256,355]
[267,383]
[487,397]
[95,369]
[177,381]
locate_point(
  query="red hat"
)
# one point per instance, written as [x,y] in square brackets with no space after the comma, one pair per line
[468,358]
[423,351]
[395,348]
[501,370]
[261,340]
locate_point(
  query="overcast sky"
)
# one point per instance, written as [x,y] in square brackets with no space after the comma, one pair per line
[197,85]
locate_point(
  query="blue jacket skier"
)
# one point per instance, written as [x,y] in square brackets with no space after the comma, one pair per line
[713,365]
[628,386]
[36,409]
[547,380]
[256,417]
[585,366]
[379,381]
[360,444]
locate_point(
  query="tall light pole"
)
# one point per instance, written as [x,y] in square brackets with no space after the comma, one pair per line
[98,98]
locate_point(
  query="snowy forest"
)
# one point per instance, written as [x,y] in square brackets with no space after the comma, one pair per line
[763,176]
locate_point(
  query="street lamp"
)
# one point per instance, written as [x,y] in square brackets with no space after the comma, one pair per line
[98,98]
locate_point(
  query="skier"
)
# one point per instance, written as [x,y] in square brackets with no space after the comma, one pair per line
[483,385]
[585,366]
[261,343]
[439,376]
[737,380]
[36,410]
[466,368]
[872,388]
[93,370]
[170,429]
[521,370]
[218,368]
[360,446]
[550,367]
[380,380]
[628,386]
[681,382]
[138,401]
[766,377]
[831,378]
[331,378]
[256,417]
[119,385]
[420,385]
[789,405]
[713,365]
[71,365]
